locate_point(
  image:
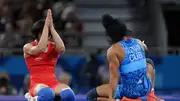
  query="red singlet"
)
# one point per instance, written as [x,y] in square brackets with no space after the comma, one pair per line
[41,68]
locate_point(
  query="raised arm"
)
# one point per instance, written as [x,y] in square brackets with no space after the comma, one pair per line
[59,44]
[42,44]
[142,44]
[114,72]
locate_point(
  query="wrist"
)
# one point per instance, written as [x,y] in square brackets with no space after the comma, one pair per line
[52,27]
[46,25]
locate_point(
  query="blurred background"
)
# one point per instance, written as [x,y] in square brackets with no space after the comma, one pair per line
[83,66]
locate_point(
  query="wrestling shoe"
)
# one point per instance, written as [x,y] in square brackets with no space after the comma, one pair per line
[30,98]
[152,97]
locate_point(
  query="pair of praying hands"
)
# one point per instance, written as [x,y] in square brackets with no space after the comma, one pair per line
[49,19]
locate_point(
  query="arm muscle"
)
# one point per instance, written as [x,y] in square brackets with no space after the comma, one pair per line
[31,50]
[143,44]
[114,75]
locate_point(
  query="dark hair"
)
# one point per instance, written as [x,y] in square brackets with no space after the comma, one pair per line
[37,28]
[114,28]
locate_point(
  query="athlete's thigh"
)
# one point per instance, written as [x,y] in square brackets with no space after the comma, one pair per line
[34,90]
[150,70]
[103,90]
[59,87]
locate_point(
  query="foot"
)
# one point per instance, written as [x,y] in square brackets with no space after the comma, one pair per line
[153,97]
[30,98]
[128,99]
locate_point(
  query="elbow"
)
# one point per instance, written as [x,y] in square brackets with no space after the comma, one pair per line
[145,48]
[60,49]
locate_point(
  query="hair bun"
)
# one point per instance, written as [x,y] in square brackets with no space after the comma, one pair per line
[107,20]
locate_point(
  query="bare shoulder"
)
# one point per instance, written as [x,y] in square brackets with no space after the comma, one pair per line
[139,41]
[119,51]
[142,44]
[27,46]
[112,56]
[111,52]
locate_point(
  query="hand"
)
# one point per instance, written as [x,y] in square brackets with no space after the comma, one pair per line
[48,20]
[145,46]
[51,20]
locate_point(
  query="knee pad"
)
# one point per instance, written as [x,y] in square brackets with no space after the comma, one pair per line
[67,95]
[150,61]
[92,95]
[46,94]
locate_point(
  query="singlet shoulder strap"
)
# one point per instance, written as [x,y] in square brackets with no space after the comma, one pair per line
[34,43]
[50,46]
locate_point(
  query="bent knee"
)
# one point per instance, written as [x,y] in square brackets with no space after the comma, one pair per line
[46,94]
[150,61]
[67,95]
[39,87]
[91,94]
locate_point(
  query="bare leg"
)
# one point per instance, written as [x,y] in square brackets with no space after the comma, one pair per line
[65,92]
[41,92]
[60,87]
[102,99]
[38,88]
[151,74]
[100,93]
[103,92]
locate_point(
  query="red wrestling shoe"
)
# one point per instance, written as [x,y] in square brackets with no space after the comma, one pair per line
[153,97]
[128,99]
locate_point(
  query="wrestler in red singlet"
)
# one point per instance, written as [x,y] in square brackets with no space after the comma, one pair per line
[41,67]
[41,56]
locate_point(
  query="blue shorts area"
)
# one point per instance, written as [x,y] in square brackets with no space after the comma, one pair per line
[133,89]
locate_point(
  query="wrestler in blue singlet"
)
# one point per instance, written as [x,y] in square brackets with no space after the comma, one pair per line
[131,64]
[134,82]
